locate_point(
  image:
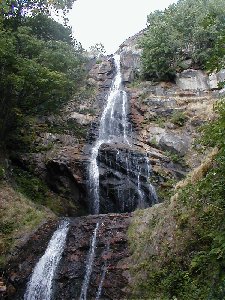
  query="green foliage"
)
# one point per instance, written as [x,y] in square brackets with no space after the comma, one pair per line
[37,191]
[98,50]
[178,118]
[41,69]
[189,29]
[214,133]
[18,216]
[174,157]
[31,186]
[16,10]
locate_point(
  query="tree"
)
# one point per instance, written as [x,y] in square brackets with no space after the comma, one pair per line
[41,67]
[97,50]
[186,30]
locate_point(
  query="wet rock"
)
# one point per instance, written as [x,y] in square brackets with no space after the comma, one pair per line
[66,173]
[111,253]
[124,176]
[24,258]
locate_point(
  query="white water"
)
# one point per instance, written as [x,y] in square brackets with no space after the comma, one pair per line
[109,130]
[99,292]
[91,256]
[40,284]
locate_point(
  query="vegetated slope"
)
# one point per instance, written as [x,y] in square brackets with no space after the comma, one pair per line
[179,246]
[18,217]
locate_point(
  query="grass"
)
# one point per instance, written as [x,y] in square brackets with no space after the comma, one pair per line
[18,216]
[176,158]
[178,118]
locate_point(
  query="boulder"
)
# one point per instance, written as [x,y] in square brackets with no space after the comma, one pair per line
[178,144]
[216,78]
[192,80]
[81,118]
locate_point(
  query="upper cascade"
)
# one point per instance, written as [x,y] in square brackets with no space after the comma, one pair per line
[114,130]
[113,124]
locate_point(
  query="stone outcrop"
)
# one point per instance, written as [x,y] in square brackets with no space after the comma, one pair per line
[130,54]
[111,254]
[192,80]
[175,143]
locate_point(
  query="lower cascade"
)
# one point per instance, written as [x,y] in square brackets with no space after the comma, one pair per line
[40,284]
[91,257]
[85,256]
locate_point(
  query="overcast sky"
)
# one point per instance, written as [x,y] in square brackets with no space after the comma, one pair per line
[110,22]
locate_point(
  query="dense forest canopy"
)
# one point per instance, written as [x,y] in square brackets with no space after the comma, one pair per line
[41,65]
[189,30]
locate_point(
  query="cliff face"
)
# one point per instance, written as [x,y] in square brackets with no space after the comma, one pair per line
[164,119]
[110,261]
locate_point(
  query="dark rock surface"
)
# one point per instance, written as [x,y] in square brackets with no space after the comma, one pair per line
[24,259]
[124,176]
[111,253]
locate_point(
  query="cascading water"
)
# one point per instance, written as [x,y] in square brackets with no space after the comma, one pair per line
[110,129]
[91,256]
[40,284]
[99,292]
[124,162]
[114,128]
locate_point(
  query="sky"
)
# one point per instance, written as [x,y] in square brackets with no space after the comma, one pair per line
[110,22]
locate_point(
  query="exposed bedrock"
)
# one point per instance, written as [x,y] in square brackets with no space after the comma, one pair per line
[109,263]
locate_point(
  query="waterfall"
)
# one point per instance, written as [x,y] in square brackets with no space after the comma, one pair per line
[109,130]
[91,256]
[115,128]
[40,284]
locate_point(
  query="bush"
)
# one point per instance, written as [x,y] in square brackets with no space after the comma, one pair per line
[179,118]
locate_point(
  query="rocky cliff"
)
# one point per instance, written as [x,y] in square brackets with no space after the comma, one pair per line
[164,119]
[110,261]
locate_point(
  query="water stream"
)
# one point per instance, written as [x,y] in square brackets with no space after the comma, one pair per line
[104,269]
[115,128]
[40,285]
[89,264]
[109,130]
